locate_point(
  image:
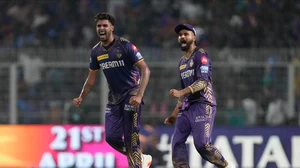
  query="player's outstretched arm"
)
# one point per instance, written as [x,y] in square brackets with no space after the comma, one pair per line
[172,118]
[87,87]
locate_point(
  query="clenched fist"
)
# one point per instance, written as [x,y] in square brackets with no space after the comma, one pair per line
[77,101]
[170,120]
[135,100]
[175,93]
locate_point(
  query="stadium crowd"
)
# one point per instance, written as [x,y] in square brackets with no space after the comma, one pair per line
[69,23]
[220,24]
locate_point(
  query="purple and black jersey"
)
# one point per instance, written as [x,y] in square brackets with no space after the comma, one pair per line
[198,66]
[119,67]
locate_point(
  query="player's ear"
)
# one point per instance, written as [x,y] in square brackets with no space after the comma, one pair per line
[112,28]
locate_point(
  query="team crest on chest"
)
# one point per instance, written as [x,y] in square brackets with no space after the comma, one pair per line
[119,55]
[191,63]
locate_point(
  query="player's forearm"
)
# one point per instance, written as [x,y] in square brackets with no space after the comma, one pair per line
[194,87]
[176,109]
[145,75]
[87,87]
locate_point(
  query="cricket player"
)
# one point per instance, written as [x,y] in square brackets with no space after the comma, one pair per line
[127,75]
[196,109]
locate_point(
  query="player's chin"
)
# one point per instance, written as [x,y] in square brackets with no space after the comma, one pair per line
[184,48]
[103,39]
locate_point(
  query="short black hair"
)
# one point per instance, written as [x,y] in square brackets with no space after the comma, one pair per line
[105,16]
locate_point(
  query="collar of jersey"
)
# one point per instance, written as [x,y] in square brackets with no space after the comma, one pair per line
[104,49]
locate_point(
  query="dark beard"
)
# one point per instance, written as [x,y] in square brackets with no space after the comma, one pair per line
[188,45]
[107,35]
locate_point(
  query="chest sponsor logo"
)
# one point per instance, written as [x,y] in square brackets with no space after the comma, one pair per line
[102,57]
[187,74]
[112,64]
[182,67]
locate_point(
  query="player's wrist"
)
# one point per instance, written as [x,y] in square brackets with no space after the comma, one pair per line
[81,97]
[140,95]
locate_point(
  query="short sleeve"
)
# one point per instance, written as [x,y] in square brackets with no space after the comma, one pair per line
[202,65]
[93,62]
[133,53]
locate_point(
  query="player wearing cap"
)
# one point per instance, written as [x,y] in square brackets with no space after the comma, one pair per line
[196,108]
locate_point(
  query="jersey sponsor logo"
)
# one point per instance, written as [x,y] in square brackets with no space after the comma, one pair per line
[182,67]
[200,119]
[139,55]
[204,69]
[108,110]
[187,74]
[134,47]
[102,57]
[112,64]
[129,107]
[203,60]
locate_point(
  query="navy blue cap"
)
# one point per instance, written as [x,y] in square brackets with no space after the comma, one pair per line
[180,27]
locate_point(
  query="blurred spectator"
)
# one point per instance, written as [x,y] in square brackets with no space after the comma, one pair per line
[33,66]
[253,112]
[233,114]
[56,112]
[277,113]
[66,23]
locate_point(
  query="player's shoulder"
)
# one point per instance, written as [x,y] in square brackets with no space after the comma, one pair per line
[127,44]
[95,46]
[124,40]
[201,51]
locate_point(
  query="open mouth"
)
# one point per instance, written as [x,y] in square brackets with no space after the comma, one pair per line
[183,43]
[102,34]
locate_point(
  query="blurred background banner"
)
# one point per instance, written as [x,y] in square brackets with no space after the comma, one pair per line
[84,146]
[52,146]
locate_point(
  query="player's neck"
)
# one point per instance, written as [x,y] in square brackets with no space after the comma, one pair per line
[189,52]
[109,41]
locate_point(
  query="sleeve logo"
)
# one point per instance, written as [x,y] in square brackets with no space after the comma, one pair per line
[204,69]
[134,48]
[139,55]
[203,60]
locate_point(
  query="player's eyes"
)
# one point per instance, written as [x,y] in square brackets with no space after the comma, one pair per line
[102,26]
